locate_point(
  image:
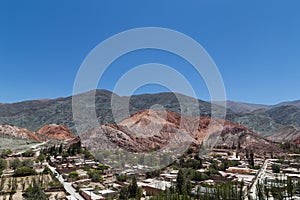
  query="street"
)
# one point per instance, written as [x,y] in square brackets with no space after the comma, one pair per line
[260,177]
[68,186]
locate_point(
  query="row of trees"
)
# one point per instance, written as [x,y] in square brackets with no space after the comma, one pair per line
[65,151]
[182,190]
[280,189]
[293,148]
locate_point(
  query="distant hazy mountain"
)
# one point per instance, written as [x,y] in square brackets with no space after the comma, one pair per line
[241,107]
[278,120]
[290,103]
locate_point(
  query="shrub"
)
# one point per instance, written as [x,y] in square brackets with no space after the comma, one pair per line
[275,168]
[122,177]
[35,192]
[16,163]
[24,171]
[95,175]
[74,175]
[47,170]
[3,164]
[28,153]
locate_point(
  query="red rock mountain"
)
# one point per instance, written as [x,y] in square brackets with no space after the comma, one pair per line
[17,132]
[54,131]
[149,129]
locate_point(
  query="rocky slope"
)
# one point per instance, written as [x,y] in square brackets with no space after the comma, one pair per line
[17,132]
[148,130]
[274,120]
[37,113]
[287,133]
[54,131]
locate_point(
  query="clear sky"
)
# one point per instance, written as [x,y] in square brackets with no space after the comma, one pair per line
[255,44]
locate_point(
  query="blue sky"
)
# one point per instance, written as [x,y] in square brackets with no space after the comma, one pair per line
[255,44]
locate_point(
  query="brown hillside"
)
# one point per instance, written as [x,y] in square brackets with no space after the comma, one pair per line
[149,129]
[54,131]
[17,132]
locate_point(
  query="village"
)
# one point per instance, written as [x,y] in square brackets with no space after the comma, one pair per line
[69,171]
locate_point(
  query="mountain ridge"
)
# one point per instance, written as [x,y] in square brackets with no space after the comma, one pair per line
[35,114]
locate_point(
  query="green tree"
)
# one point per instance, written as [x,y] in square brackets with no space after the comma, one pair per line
[241,194]
[74,175]
[251,159]
[47,170]
[259,191]
[41,157]
[102,167]
[15,163]
[88,155]
[181,183]
[24,171]
[275,168]
[3,164]
[27,163]
[124,194]
[64,154]
[290,186]
[35,192]
[28,153]
[266,190]
[122,177]
[133,190]
[60,150]
[5,153]
[95,175]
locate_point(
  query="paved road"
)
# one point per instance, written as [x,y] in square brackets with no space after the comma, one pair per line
[68,186]
[260,177]
[257,179]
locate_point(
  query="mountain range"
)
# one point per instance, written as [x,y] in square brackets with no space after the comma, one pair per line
[279,122]
[241,107]
[162,130]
